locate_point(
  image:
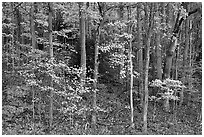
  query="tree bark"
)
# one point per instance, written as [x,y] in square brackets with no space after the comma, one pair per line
[131,70]
[18,32]
[32,23]
[158,46]
[34,47]
[185,55]
[82,42]
[140,54]
[50,6]
[87,22]
[169,56]
[146,94]
[96,63]
[190,62]
[18,22]
[120,18]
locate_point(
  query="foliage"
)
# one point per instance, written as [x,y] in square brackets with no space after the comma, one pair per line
[27,73]
[168,87]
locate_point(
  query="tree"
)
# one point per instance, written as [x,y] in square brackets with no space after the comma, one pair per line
[125,50]
[181,15]
[96,63]
[130,26]
[120,18]
[82,42]
[32,26]
[140,53]
[50,6]
[12,38]
[146,94]
[158,45]
[34,47]
[18,22]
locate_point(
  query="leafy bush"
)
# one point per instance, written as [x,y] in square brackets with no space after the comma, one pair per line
[169,88]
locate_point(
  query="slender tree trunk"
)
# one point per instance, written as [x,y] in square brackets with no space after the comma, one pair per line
[50,6]
[12,39]
[131,85]
[190,61]
[34,47]
[18,33]
[120,17]
[32,26]
[140,54]
[158,46]
[146,94]
[186,49]
[176,63]
[18,22]
[96,63]
[131,70]
[185,55]
[82,42]
[169,56]
[87,22]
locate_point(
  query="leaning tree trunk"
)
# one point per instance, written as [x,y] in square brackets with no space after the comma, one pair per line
[172,47]
[169,55]
[146,94]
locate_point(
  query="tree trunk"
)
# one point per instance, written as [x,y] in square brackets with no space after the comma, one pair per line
[140,55]
[96,63]
[12,39]
[87,28]
[18,32]
[173,43]
[185,55]
[158,46]
[131,85]
[120,18]
[32,23]
[34,47]
[82,42]
[190,62]
[51,57]
[131,71]
[146,94]
[176,63]
[169,56]
[18,22]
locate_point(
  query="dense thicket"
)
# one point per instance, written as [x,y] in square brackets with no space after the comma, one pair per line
[101,68]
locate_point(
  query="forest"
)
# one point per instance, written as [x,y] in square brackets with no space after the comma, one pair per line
[101,68]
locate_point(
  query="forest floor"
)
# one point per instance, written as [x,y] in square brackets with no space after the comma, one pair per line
[113,118]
